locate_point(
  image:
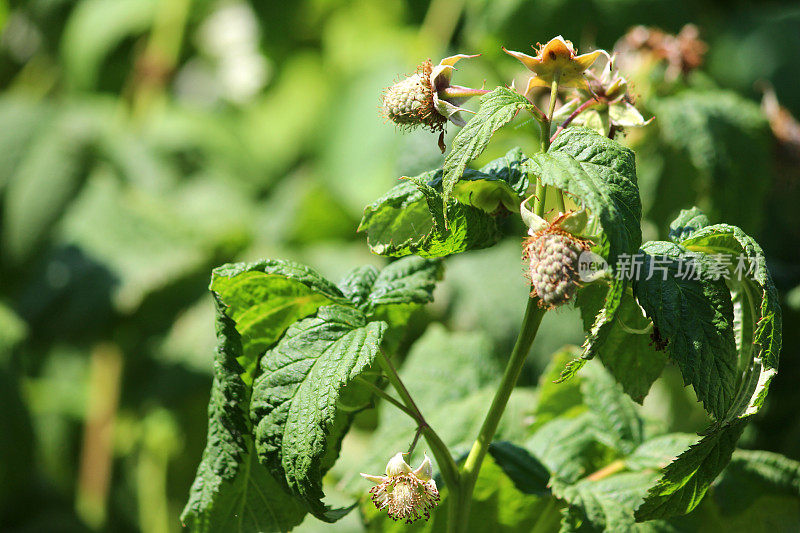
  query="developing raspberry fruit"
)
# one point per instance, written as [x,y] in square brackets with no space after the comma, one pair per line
[553,265]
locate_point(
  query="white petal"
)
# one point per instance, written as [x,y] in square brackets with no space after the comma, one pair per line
[425,470]
[397,465]
[375,479]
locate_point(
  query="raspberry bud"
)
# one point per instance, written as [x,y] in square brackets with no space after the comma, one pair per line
[553,265]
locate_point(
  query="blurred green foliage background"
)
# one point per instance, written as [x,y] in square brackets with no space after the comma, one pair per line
[143,142]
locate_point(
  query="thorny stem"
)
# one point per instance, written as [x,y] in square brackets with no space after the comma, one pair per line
[438,447]
[472,466]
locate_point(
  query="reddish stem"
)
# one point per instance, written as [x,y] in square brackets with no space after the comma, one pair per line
[583,107]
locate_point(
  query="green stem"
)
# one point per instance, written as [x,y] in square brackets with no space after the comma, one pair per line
[438,448]
[562,208]
[386,396]
[541,188]
[553,97]
[472,466]
[413,444]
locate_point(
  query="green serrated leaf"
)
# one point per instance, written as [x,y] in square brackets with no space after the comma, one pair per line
[509,169]
[294,408]
[607,504]
[409,219]
[568,447]
[231,491]
[616,419]
[752,473]
[628,351]
[409,280]
[695,317]
[687,222]
[497,109]
[685,481]
[725,138]
[658,452]
[266,297]
[601,328]
[557,399]
[757,312]
[252,501]
[601,174]
[357,285]
[394,293]
[529,475]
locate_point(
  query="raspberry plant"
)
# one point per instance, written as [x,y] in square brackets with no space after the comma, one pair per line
[299,356]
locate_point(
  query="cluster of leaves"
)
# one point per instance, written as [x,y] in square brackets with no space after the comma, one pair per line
[124,180]
[581,456]
[291,405]
[725,338]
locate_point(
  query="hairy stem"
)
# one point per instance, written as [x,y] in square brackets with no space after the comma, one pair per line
[472,466]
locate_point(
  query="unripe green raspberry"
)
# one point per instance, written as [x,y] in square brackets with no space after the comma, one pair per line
[410,101]
[553,265]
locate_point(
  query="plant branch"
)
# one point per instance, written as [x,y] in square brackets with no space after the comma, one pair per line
[389,398]
[472,466]
[414,442]
[541,188]
[537,113]
[438,448]
[583,107]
